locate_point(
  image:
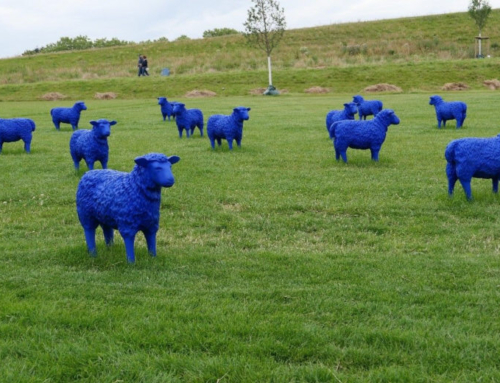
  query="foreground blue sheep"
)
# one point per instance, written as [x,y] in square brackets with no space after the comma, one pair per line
[367,107]
[91,145]
[15,129]
[68,115]
[127,202]
[350,109]
[454,110]
[187,119]
[469,158]
[362,134]
[227,127]
[167,108]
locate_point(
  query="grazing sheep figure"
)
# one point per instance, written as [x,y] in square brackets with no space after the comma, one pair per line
[350,109]
[91,145]
[15,129]
[166,108]
[362,134]
[367,107]
[454,110]
[187,119]
[228,127]
[469,158]
[127,202]
[68,115]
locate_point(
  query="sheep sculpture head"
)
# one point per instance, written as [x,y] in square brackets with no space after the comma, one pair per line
[435,100]
[102,128]
[242,112]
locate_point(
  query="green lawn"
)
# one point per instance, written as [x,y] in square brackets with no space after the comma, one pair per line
[275,262]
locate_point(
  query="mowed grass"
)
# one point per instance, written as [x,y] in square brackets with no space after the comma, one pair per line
[275,262]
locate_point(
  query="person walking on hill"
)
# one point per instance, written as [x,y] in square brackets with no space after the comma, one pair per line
[145,66]
[140,67]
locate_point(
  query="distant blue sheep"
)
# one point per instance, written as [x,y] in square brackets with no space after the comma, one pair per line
[362,134]
[68,115]
[167,108]
[228,127]
[15,129]
[127,202]
[469,158]
[367,107]
[350,109]
[454,110]
[187,119]
[91,145]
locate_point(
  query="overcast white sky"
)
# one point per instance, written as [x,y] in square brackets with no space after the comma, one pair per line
[28,24]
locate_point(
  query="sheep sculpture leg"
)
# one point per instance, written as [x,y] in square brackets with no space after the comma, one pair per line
[151,241]
[495,185]
[90,239]
[467,189]
[452,178]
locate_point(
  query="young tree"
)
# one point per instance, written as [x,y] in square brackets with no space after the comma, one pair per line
[265,27]
[479,10]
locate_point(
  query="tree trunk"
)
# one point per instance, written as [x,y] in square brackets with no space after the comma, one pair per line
[270,72]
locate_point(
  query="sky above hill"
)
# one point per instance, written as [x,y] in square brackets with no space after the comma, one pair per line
[28,24]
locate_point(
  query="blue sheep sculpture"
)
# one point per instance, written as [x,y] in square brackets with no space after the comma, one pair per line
[15,129]
[230,127]
[453,110]
[350,109]
[91,145]
[127,202]
[367,107]
[68,115]
[362,134]
[187,119]
[471,157]
[166,108]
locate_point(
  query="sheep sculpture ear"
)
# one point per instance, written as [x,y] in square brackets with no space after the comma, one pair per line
[249,109]
[141,161]
[174,159]
[112,123]
[93,123]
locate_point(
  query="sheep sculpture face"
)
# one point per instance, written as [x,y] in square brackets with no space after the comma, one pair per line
[127,202]
[453,110]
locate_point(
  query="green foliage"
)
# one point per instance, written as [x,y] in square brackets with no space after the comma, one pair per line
[182,38]
[77,43]
[479,10]
[275,262]
[217,32]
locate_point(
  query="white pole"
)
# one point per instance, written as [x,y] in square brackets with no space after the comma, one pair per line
[480,44]
[269,67]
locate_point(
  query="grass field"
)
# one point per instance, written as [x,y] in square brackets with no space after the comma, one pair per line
[275,262]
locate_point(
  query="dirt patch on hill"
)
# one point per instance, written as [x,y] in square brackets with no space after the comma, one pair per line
[257,91]
[200,93]
[105,96]
[317,89]
[383,88]
[52,96]
[455,86]
[492,84]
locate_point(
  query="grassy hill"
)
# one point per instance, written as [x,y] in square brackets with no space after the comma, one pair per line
[418,53]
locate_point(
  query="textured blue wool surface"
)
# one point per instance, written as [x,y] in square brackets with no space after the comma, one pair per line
[350,109]
[187,119]
[367,107]
[166,107]
[68,115]
[230,127]
[452,110]
[15,129]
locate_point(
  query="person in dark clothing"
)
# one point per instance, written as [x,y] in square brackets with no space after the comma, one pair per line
[145,66]
[140,67]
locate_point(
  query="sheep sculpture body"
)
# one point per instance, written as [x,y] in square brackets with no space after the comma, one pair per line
[15,129]
[166,107]
[350,109]
[362,134]
[127,202]
[453,110]
[187,119]
[471,157]
[68,115]
[230,127]
[91,145]
[367,107]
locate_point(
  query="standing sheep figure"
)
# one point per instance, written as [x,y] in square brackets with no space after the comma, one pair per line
[362,134]
[454,110]
[367,107]
[187,119]
[350,109]
[167,108]
[471,157]
[228,127]
[15,129]
[68,115]
[127,202]
[91,145]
